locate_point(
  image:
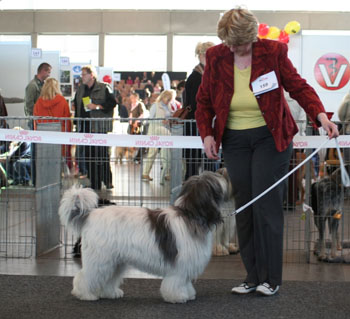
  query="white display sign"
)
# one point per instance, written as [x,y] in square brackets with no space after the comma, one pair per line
[64,60]
[36,53]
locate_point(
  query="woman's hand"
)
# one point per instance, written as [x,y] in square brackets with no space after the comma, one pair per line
[210,147]
[328,126]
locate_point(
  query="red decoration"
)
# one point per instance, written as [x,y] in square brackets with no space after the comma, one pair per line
[283,37]
[263,29]
[107,79]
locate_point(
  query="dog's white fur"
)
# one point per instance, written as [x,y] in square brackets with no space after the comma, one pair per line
[225,233]
[114,238]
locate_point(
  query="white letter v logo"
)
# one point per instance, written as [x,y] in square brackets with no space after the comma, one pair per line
[337,78]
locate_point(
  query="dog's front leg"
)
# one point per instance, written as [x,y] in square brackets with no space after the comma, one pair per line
[81,288]
[175,289]
[191,291]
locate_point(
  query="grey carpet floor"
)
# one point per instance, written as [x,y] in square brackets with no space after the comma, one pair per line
[49,297]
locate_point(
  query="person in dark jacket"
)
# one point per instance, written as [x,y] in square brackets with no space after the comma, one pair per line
[193,156]
[95,99]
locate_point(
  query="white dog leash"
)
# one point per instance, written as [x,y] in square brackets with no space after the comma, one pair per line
[344,175]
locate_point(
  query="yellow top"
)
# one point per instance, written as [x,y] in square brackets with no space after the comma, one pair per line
[244,109]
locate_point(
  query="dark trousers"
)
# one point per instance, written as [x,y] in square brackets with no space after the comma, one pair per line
[193,157]
[98,167]
[254,164]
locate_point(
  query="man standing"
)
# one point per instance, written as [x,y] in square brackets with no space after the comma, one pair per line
[33,89]
[32,93]
[95,99]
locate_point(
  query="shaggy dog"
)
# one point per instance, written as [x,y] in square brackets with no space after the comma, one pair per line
[225,233]
[174,243]
[326,201]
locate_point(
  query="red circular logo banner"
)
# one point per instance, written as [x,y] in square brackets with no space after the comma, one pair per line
[332,71]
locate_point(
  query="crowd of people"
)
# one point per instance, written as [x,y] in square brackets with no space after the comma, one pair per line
[93,100]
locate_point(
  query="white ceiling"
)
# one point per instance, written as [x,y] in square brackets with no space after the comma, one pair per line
[268,5]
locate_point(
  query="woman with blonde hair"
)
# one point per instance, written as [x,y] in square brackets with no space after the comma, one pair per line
[52,103]
[243,89]
[160,109]
[193,156]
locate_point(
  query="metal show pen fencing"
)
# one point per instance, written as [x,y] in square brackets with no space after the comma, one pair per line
[28,222]
[344,175]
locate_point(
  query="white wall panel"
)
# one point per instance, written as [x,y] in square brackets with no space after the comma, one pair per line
[15,72]
[313,48]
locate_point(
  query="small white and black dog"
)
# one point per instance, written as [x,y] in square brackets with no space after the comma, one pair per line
[174,243]
[225,232]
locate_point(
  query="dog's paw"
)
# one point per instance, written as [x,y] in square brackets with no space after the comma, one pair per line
[322,257]
[119,293]
[85,296]
[177,299]
[233,248]
[220,250]
[115,294]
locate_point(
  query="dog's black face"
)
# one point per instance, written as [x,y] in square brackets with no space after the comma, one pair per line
[201,197]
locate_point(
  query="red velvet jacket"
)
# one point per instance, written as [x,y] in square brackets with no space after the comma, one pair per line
[216,91]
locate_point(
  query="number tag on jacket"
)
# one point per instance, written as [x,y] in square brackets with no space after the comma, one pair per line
[265,83]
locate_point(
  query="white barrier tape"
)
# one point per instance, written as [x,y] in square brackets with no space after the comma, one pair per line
[344,174]
[94,139]
[308,142]
[237,211]
[126,140]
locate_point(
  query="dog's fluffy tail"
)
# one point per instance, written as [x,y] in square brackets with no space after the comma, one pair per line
[76,204]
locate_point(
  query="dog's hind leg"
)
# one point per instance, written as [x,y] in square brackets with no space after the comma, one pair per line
[334,225]
[111,290]
[174,289]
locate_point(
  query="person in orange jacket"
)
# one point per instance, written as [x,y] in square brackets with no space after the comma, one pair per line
[52,103]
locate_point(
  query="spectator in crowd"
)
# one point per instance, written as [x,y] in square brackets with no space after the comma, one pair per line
[92,100]
[256,130]
[137,111]
[162,108]
[149,86]
[32,93]
[344,116]
[52,103]
[129,81]
[122,109]
[34,87]
[157,88]
[153,78]
[16,163]
[3,112]
[144,78]
[193,156]
[137,83]
[180,91]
